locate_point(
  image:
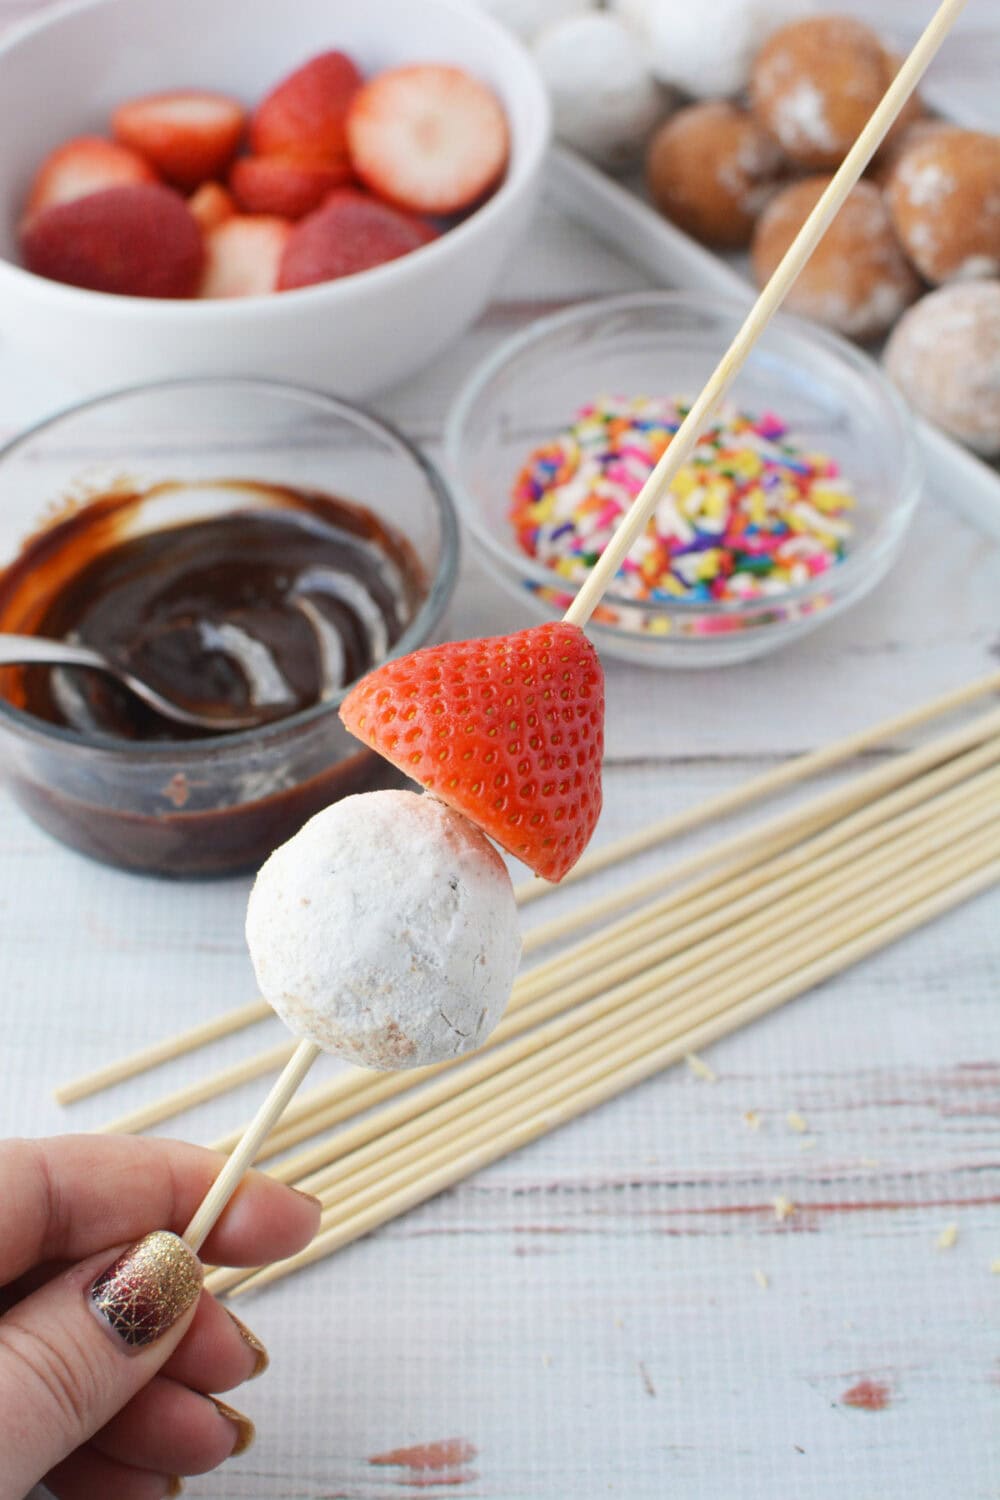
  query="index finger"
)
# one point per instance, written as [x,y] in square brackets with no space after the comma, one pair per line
[69,1196]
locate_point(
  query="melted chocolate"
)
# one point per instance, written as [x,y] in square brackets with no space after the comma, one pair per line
[273,605]
[262,611]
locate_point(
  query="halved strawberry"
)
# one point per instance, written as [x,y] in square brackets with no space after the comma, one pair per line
[140,241]
[307,111]
[243,255]
[430,138]
[87,164]
[212,205]
[508,730]
[351,232]
[189,134]
[288,185]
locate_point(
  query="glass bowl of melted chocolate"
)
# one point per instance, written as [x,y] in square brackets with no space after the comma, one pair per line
[249,550]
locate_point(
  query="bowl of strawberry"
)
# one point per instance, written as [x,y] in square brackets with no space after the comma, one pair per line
[325,192]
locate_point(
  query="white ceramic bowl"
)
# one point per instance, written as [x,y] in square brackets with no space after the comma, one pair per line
[61,75]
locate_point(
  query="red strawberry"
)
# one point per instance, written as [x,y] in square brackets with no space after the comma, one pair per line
[351,232]
[141,241]
[189,134]
[211,205]
[307,110]
[509,731]
[288,185]
[87,164]
[430,138]
[243,255]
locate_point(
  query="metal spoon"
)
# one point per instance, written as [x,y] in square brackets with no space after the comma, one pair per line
[29,650]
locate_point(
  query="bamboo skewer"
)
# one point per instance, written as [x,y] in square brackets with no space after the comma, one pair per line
[919,898]
[199,1093]
[163,1051]
[827,805]
[787,827]
[635,1024]
[616,987]
[350,1094]
[780,778]
[228,1180]
[711,893]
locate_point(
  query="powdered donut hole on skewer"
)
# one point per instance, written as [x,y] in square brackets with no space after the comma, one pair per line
[386,931]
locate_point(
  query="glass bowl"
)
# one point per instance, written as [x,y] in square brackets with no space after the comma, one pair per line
[832,397]
[215,805]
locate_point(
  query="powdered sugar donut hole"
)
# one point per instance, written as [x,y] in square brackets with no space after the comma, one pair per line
[711,168]
[815,84]
[705,47]
[605,100]
[944,355]
[944,197]
[386,931]
[858,280]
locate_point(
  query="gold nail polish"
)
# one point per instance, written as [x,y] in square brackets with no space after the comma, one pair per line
[175,1487]
[261,1356]
[245,1430]
[148,1288]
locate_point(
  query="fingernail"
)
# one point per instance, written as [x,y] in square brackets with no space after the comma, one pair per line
[175,1487]
[309,1197]
[147,1289]
[245,1430]
[261,1357]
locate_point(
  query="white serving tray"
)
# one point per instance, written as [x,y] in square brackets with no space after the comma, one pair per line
[621,218]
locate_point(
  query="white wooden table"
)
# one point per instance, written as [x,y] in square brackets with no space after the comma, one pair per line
[585,1315]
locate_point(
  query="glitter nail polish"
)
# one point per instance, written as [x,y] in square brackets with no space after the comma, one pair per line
[245,1430]
[147,1289]
[253,1343]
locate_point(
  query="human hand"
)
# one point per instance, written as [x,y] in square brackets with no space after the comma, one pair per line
[108,1347]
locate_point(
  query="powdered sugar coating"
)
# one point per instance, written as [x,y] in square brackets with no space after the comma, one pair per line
[605,101]
[386,931]
[705,47]
[815,83]
[944,197]
[945,357]
[857,281]
[711,168]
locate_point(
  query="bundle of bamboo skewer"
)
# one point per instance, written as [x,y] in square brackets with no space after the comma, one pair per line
[667,965]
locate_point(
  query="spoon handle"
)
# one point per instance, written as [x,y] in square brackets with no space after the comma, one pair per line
[22,650]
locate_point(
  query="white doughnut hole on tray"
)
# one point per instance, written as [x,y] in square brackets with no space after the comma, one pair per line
[705,47]
[386,931]
[605,100]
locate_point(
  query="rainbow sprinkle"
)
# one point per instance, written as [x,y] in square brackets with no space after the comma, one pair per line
[750,516]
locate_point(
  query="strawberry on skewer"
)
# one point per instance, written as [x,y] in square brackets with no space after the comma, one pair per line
[507,730]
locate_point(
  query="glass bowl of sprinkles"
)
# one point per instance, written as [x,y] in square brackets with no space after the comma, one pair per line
[791,508]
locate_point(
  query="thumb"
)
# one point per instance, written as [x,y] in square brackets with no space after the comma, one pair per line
[74,1352]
